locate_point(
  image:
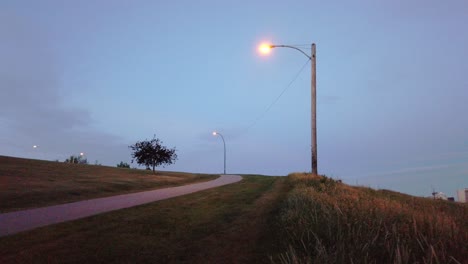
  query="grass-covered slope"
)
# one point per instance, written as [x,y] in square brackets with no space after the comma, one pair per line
[27,183]
[326,221]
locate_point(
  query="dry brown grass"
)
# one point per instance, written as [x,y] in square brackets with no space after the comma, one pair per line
[27,183]
[330,222]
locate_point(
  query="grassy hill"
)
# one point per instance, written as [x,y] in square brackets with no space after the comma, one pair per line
[295,219]
[326,221]
[27,183]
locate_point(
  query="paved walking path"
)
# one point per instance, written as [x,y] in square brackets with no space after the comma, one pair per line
[14,222]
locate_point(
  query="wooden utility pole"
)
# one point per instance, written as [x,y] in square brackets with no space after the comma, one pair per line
[313,110]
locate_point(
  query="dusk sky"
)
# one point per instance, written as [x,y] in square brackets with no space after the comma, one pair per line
[97,76]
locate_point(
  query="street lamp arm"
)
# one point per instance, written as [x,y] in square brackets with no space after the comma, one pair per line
[291,47]
[221,137]
[224,144]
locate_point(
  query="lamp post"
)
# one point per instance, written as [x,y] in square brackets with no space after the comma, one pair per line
[80,158]
[224,143]
[265,49]
[36,152]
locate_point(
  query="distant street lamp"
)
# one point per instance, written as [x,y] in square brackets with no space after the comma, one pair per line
[82,159]
[36,152]
[265,49]
[224,143]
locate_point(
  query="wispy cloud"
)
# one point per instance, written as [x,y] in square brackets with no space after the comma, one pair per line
[411,170]
[33,109]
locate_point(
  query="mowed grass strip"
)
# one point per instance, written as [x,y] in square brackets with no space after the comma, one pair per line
[27,183]
[225,224]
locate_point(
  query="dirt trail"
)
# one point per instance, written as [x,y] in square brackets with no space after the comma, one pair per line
[248,238]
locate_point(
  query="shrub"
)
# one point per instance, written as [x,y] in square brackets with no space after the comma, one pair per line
[123,165]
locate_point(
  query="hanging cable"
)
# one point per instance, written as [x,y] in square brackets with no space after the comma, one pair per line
[259,117]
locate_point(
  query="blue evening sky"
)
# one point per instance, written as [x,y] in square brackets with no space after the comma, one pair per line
[96,76]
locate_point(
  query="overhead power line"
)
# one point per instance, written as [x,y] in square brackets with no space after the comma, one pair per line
[262,115]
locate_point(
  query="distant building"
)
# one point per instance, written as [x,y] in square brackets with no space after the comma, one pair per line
[440,196]
[462,195]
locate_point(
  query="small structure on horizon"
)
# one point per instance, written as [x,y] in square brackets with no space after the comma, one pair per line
[439,196]
[462,195]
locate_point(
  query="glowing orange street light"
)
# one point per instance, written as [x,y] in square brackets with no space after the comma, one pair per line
[264,48]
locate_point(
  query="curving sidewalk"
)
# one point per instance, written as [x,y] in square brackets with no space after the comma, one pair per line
[14,222]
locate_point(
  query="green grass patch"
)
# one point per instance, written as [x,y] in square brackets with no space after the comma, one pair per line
[326,221]
[229,224]
[27,183]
